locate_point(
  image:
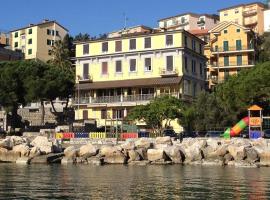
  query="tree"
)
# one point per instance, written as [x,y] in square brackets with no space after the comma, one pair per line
[264,46]
[82,37]
[158,113]
[68,44]
[60,55]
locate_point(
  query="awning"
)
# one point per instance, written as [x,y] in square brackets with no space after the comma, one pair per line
[131,83]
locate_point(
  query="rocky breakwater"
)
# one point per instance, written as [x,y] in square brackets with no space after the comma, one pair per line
[24,151]
[161,151]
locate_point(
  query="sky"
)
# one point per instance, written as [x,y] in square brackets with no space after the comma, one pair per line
[101,16]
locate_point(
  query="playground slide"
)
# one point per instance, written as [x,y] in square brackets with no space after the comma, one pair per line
[236,130]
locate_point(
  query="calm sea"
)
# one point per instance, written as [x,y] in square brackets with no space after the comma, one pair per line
[132,182]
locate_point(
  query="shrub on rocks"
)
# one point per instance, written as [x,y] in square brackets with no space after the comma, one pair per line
[87,151]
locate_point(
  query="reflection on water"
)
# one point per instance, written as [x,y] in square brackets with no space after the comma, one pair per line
[132,182]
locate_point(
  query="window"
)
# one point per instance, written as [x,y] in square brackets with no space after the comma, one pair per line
[29,51]
[169,40]
[186,86]
[118,114]
[194,89]
[239,60]
[200,46]
[48,42]
[225,31]
[103,114]
[226,61]
[29,41]
[238,45]
[86,49]
[52,32]
[105,47]
[132,65]
[104,69]
[169,63]
[201,69]
[85,114]
[186,64]
[147,64]
[16,34]
[225,46]
[193,45]
[147,42]
[225,14]
[118,66]
[30,31]
[118,46]
[186,41]
[236,11]
[238,30]
[226,74]
[193,67]
[48,32]
[132,44]
[183,20]
[85,71]
[16,44]
[23,37]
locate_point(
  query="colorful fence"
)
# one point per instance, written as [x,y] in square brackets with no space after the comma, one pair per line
[101,135]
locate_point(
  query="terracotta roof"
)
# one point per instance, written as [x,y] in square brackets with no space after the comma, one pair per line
[199,32]
[241,5]
[131,83]
[222,25]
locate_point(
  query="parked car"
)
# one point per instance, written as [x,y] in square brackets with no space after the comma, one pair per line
[214,134]
[169,132]
[266,133]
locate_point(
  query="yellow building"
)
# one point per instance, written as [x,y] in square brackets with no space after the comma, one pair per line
[115,74]
[250,15]
[36,40]
[231,49]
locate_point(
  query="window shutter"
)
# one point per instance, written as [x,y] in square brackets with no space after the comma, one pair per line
[86,49]
[85,71]
[147,42]
[118,46]
[169,40]
[118,66]
[169,63]
[104,68]
[132,65]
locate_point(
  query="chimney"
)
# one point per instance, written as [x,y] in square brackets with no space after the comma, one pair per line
[30,25]
[45,20]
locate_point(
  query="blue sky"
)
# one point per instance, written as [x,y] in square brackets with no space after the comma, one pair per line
[97,16]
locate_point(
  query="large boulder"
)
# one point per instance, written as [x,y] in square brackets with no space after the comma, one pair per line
[156,154]
[23,149]
[112,155]
[87,150]
[143,153]
[264,154]
[237,152]
[23,161]
[133,156]
[128,145]
[35,151]
[143,143]
[192,154]
[16,140]
[43,143]
[71,152]
[164,140]
[6,143]
[252,155]
[174,153]
[9,156]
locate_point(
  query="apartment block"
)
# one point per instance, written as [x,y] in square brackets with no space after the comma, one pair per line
[231,49]
[36,40]
[130,30]
[115,74]
[250,15]
[189,21]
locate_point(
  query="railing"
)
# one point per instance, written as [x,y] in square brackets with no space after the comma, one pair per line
[233,64]
[120,98]
[249,12]
[232,48]
[85,77]
[166,72]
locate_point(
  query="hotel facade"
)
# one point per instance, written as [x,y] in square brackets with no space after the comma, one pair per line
[115,74]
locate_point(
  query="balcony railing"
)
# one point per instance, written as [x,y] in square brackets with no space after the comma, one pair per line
[250,22]
[233,64]
[232,49]
[120,98]
[248,13]
[84,78]
[167,72]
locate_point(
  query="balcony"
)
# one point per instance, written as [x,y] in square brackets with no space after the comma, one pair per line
[232,49]
[201,22]
[133,99]
[84,78]
[167,72]
[249,13]
[233,65]
[250,22]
